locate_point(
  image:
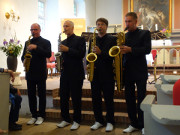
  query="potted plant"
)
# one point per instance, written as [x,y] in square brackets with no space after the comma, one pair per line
[12,49]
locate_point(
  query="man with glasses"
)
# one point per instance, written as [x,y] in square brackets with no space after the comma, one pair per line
[40,49]
[103,79]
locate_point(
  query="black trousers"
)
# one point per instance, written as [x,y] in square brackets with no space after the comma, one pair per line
[134,112]
[108,92]
[73,89]
[41,87]
[14,111]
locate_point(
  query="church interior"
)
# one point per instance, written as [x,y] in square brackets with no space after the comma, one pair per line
[161,116]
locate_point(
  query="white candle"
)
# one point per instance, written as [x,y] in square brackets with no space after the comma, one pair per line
[142,27]
[156,27]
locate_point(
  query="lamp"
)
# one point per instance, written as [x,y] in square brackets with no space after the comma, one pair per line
[12,15]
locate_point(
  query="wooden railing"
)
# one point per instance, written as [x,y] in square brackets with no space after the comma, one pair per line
[168,54]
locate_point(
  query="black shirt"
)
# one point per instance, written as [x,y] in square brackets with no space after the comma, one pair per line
[73,68]
[38,67]
[135,62]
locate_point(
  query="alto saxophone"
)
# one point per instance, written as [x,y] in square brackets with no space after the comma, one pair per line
[27,56]
[115,52]
[91,58]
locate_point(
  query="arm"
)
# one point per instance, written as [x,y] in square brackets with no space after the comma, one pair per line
[136,50]
[46,51]
[2,70]
[80,50]
[146,48]
[24,51]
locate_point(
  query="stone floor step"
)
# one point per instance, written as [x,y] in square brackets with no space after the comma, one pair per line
[117,94]
[119,104]
[87,115]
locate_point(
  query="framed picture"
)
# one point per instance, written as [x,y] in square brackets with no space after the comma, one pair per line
[153,14]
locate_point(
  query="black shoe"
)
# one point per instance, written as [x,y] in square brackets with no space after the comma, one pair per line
[19,125]
[14,127]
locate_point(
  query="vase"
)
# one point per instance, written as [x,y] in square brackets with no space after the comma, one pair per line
[12,63]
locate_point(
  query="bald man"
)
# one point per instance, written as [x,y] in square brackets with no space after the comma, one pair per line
[72,75]
[40,49]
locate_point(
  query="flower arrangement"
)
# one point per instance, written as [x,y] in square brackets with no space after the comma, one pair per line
[166,32]
[12,48]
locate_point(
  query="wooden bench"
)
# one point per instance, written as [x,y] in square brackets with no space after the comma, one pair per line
[164,93]
[160,119]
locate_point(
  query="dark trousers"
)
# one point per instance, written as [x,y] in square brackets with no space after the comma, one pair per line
[71,88]
[108,91]
[14,111]
[41,87]
[134,112]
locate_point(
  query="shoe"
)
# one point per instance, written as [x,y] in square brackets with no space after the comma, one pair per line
[31,121]
[109,127]
[14,127]
[96,125]
[130,129]
[39,121]
[63,124]
[19,125]
[142,131]
[75,126]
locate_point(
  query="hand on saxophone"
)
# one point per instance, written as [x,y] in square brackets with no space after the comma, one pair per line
[125,49]
[31,47]
[96,50]
[63,48]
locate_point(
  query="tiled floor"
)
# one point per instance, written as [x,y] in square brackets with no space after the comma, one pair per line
[49,128]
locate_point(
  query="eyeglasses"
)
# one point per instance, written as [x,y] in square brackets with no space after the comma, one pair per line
[34,29]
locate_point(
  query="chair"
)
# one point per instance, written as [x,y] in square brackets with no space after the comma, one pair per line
[154,55]
[176,93]
[51,63]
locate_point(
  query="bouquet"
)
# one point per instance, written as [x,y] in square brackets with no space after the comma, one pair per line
[12,48]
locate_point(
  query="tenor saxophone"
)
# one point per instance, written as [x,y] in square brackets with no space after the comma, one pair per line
[91,58]
[27,56]
[115,52]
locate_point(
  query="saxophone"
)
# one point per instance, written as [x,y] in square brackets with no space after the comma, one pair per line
[27,56]
[91,58]
[58,55]
[115,52]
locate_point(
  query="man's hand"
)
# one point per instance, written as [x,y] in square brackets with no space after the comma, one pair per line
[63,48]
[125,49]
[18,92]
[32,47]
[11,74]
[97,50]
[24,62]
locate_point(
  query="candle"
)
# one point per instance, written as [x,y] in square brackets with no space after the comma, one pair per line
[156,27]
[142,27]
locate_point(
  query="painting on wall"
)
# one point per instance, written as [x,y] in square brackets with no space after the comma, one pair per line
[153,14]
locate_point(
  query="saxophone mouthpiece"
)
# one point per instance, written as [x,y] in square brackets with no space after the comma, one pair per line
[98,29]
[126,28]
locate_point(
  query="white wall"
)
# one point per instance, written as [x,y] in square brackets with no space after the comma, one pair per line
[55,11]
[90,6]
[28,15]
[81,13]
[52,23]
[109,9]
